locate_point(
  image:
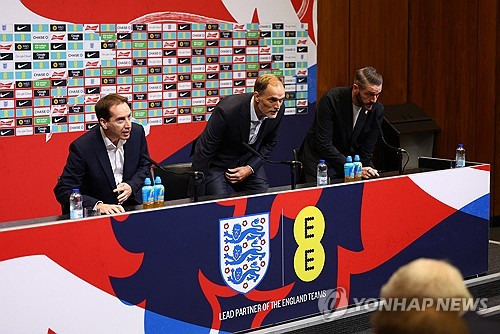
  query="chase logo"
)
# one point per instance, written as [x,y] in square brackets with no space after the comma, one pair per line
[244,251]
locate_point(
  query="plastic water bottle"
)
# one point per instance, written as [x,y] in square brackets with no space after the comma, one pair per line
[348,170]
[75,204]
[159,191]
[460,156]
[358,168]
[148,197]
[322,174]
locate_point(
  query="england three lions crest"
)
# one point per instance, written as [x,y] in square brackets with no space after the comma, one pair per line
[244,250]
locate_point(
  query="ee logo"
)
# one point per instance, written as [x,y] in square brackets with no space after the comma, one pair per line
[308,231]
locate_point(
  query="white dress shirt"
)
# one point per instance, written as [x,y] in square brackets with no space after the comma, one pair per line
[355,114]
[116,156]
[255,123]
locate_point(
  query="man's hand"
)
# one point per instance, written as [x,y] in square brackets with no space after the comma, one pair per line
[238,174]
[124,191]
[110,208]
[369,173]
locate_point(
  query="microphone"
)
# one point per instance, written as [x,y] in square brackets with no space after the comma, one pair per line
[293,163]
[198,175]
[254,152]
[398,150]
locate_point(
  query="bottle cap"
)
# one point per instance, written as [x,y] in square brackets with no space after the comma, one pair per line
[348,159]
[147,181]
[76,190]
[460,145]
[321,161]
[157,180]
[356,158]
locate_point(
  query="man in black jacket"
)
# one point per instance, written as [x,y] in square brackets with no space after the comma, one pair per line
[107,163]
[346,123]
[251,118]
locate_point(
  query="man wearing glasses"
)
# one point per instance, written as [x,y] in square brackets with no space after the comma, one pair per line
[347,122]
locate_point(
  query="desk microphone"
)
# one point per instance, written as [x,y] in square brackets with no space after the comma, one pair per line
[198,175]
[254,152]
[398,150]
[292,163]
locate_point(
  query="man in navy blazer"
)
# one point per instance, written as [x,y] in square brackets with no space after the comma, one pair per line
[251,118]
[107,163]
[347,122]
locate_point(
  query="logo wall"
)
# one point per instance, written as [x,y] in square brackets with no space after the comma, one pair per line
[163,69]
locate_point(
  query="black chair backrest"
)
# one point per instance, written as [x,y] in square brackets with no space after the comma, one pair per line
[176,183]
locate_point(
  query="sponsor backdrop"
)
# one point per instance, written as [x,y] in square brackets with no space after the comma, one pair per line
[174,63]
[248,262]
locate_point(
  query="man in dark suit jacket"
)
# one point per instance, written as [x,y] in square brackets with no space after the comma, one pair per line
[345,124]
[251,118]
[106,164]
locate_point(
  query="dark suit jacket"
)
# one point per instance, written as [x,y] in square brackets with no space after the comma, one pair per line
[88,168]
[219,146]
[331,136]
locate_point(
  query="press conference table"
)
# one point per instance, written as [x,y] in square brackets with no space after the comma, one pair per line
[232,264]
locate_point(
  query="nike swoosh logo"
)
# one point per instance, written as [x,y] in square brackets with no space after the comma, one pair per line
[238,51]
[169,120]
[21,28]
[92,90]
[22,103]
[57,46]
[3,94]
[3,133]
[123,71]
[210,43]
[169,86]
[122,36]
[211,76]
[183,94]
[168,53]
[91,54]
[57,119]
[301,49]
[301,80]
[92,126]
[183,26]
[4,56]
[182,61]
[22,66]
